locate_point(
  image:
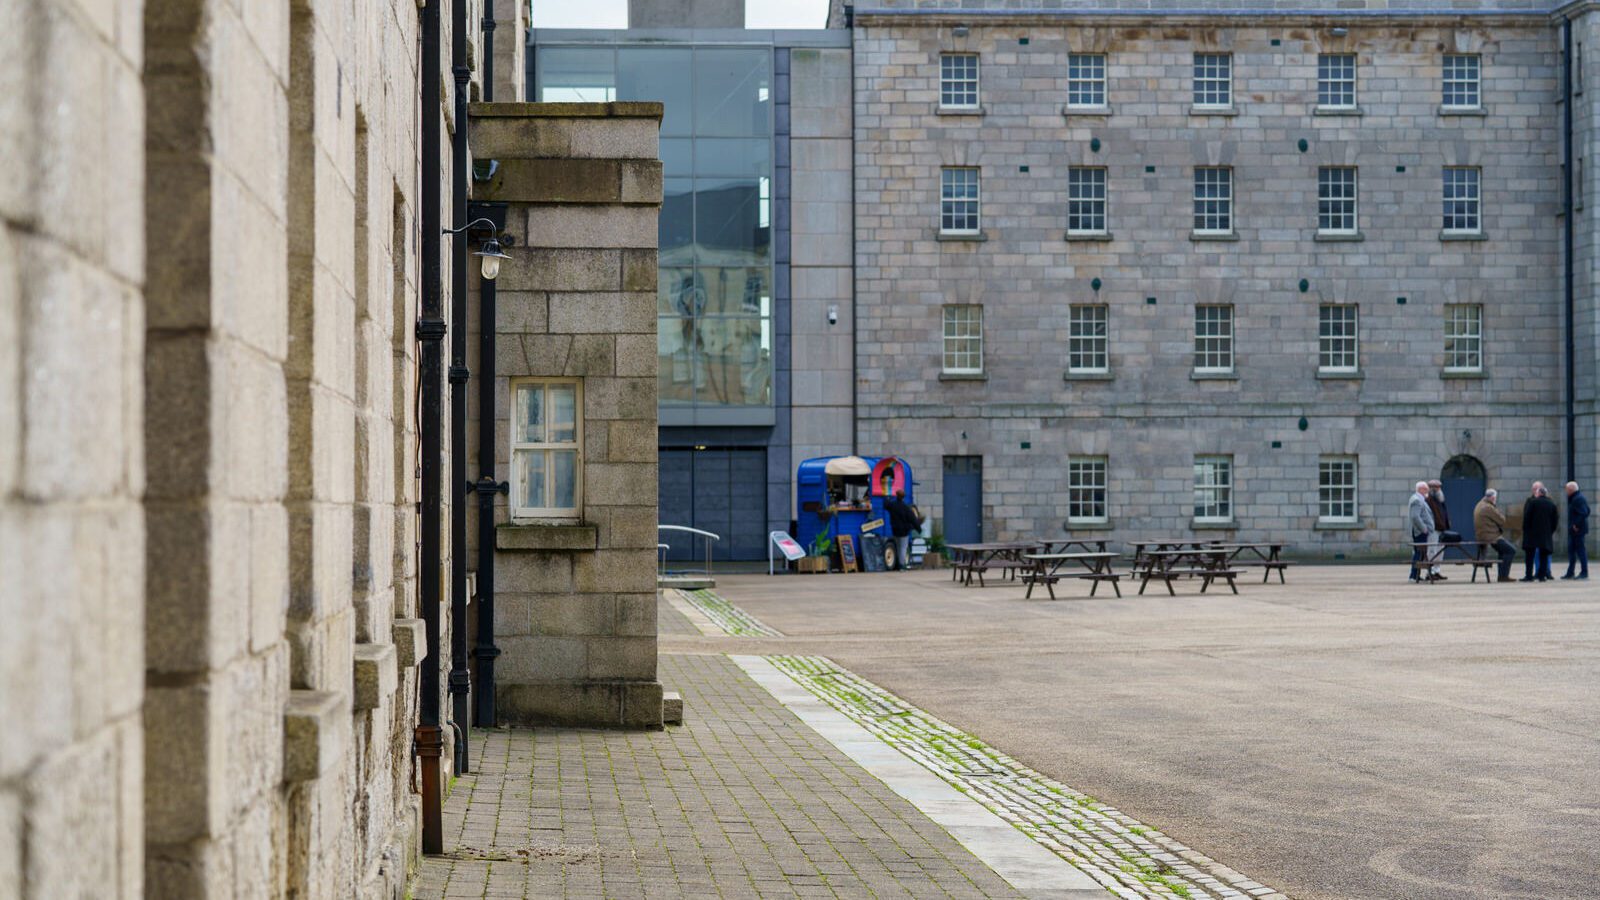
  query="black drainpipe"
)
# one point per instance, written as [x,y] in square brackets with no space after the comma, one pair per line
[485,714]
[1568,240]
[855,261]
[488,51]
[460,677]
[430,333]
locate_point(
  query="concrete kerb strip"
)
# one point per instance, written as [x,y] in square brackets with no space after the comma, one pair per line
[1029,867]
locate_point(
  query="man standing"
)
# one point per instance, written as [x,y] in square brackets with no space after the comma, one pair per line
[1489,524]
[1441,513]
[1577,531]
[1422,532]
[1540,519]
[902,521]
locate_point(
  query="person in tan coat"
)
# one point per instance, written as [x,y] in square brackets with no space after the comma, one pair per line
[1489,526]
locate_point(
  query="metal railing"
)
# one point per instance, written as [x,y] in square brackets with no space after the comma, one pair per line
[695,533]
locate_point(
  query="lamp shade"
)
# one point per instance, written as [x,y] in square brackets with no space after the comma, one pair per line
[491,255]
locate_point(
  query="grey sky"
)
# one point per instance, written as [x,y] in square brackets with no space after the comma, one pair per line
[614,13]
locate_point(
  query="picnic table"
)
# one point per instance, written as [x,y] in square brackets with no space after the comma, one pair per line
[968,560]
[1472,554]
[1142,548]
[1207,563]
[1068,545]
[1046,569]
[1266,555]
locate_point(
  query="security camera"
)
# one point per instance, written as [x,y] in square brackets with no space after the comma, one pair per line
[833,314]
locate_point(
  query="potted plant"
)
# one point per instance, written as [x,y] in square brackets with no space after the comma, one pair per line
[821,550]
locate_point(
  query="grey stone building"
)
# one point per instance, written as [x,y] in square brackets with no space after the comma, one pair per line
[1243,271]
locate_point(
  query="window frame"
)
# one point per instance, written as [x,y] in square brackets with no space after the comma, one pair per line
[1225,203]
[1197,93]
[1081,207]
[1221,490]
[1327,465]
[1325,352]
[1324,82]
[1324,199]
[1078,465]
[1091,83]
[536,513]
[950,212]
[946,353]
[951,85]
[1088,345]
[1227,338]
[1472,206]
[1475,338]
[1474,84]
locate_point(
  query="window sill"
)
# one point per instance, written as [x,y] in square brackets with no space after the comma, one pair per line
[1213,376]
[531,536]
[946,238]
[1339,526]
[1339,112]
[1104,237]
[1197,525]
[1087,376]
[1355,238]
[1202,238]
[1227,112]
[1469,237]
[959,111]
[963,376]
[1341,376]
[1099,112]
[1076,527]
[1476,112]
[1447,375]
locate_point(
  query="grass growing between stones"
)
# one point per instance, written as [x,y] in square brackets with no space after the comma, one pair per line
[731,619]
[1129,859]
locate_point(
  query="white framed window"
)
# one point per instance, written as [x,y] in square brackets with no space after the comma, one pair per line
[1336,490]
[1463,337]
[1213,81]
[546,448]
[1213,200]
[958,81]
[1086,200]
[1338,339]
[1462,203]
[1336,81]
[958,200]
[1088,338]
[1086,80]
[963,340]
[1213,339]
[1462,89]
[1336,200]
[1213,489]
[1086,490]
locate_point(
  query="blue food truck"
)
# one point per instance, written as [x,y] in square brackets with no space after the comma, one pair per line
[844,495]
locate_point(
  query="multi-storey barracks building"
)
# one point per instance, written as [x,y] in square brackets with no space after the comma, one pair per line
[1250,268]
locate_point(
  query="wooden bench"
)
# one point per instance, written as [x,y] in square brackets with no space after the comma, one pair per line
[1205,575]
[1267,568]
[1097,577]
[1032,577]
[1469,553]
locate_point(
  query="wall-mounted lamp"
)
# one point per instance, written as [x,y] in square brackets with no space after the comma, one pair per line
[491,253]
[833,314]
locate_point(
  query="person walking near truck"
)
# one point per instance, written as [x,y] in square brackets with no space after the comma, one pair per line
[902,521]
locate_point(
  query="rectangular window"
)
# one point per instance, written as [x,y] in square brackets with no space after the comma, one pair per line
[1086,490]
[1461,202]
[546,449]
[1336,200]
[1461,88]
[1213,81]
[1338,340]
[1213,200]
[963,340]
[1336,81]
[1088,339]
[1213,489]
[1336,490]
[1086,200]
[1086,80]
[1213,339]
[1463,338]
[958,201]
[958,81]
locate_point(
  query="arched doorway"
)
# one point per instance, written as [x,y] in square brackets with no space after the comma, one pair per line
[1464,480]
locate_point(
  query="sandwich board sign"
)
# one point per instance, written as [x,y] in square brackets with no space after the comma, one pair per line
[786,545]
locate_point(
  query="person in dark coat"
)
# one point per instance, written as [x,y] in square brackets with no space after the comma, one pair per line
[1577,531]
[902,521]
[1441,513]
[1540,521]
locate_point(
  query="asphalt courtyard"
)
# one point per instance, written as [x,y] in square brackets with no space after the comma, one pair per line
[1345,735]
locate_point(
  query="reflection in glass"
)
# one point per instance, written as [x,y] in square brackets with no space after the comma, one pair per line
[658,74]
[677,156]
[733,156]
[677,220]
[577,75]
[732,92]
[530,400]
[733,290]
[733,362]
[727,228]
[531,479]
[564,472]
[563,413]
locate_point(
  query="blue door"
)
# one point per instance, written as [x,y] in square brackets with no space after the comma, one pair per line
[1463,481]
[963,499]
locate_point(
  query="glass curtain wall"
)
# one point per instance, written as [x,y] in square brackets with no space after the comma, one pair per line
[714,287]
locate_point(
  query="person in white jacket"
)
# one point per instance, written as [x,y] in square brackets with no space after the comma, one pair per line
[1422,529]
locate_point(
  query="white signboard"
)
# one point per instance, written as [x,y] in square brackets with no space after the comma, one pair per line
[786,545]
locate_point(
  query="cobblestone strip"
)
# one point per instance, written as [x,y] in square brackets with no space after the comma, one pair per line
[724,615]
[1129,859]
